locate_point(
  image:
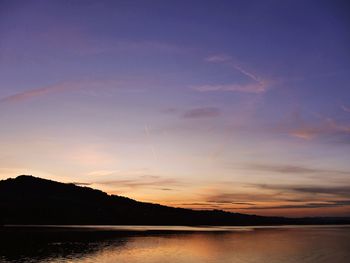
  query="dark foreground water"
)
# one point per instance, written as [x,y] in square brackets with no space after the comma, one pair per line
[316,244]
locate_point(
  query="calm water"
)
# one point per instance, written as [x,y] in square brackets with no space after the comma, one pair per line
[140,244]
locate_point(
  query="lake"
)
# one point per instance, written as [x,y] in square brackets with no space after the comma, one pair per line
[144,244]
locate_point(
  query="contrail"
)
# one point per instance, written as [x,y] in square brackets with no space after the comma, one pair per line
[247,73]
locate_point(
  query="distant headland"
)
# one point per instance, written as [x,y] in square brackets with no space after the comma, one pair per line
[29,200]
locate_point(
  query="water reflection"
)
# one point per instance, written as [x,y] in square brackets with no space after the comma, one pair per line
[105,245]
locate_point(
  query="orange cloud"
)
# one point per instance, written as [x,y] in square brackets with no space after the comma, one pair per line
[327,127]
[142,182]
[298,127]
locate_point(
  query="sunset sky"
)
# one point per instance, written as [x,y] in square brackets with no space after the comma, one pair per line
[236,105]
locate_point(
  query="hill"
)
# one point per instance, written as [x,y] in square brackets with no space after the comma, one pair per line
[31,200]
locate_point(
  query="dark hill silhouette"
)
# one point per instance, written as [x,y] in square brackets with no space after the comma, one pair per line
[32,200]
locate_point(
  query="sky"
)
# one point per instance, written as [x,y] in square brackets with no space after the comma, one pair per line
[242,106]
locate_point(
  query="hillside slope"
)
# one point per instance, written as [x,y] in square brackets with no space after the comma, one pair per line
[32,200]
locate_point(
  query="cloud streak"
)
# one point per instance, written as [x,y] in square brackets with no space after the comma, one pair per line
[327,128]
[345,108]
[293,169]
[218,58]
[248,74]
[300,128]
[81,184]
[54,89]
[256,86]
[241,197]
[92,86]
[141,182]
[278,196]
[38,92]
[329,204]
[337,191]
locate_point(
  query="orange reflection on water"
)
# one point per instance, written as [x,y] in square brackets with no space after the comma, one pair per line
[304,244]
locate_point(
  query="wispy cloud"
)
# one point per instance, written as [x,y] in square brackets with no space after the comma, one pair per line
[293,169]
[56,88]
[337,191]
[141,182]
[89,86]
[81,183]
[327,127]
[205,112]
[249,74]
[328,204]
[320,127]
[345,108]
[245,88]
[277,196]
[218,58]
[39,92]
[246,197]
[256,84]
